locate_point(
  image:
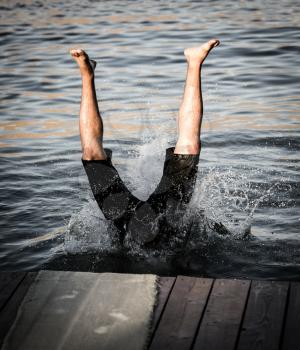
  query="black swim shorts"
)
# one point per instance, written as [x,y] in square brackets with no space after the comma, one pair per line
[143,220]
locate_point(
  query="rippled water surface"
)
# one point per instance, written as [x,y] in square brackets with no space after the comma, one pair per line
[249,169]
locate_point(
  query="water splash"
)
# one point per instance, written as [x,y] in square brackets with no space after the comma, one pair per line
[224,203]
[230,196]
[88,230]
[145,168]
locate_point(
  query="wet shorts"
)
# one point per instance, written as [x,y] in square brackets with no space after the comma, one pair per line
[143,220]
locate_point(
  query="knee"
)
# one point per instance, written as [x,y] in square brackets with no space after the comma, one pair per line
[93,154]
[187,148]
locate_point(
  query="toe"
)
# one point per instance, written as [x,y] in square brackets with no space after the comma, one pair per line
[81,53]
[74,53]
[77,52]
[214,42]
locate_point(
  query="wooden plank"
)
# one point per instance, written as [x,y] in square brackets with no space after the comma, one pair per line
[9,281]
[9,311]
[82,310]
[262,325]
[291,336]
[221,322]
[165,285]
[182,314]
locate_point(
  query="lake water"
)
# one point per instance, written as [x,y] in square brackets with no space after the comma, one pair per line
[249,169]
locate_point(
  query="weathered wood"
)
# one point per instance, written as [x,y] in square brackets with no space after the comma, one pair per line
[9,281]
[82,310]
[220,324]
[262,325]
[10,309]
[181,316]
[228,314]
[291,335]
[165,285]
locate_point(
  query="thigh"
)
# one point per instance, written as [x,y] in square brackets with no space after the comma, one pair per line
[177,183]
[113,197]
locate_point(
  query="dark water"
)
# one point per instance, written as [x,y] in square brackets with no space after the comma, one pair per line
[249,170]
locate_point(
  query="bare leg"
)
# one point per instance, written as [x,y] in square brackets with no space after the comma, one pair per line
[191,109]
[90,122]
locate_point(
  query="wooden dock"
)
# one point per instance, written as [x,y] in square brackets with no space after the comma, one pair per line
[199,313]
[226,314]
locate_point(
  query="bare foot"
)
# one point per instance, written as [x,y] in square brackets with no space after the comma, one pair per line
[87,66]
[197,55]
